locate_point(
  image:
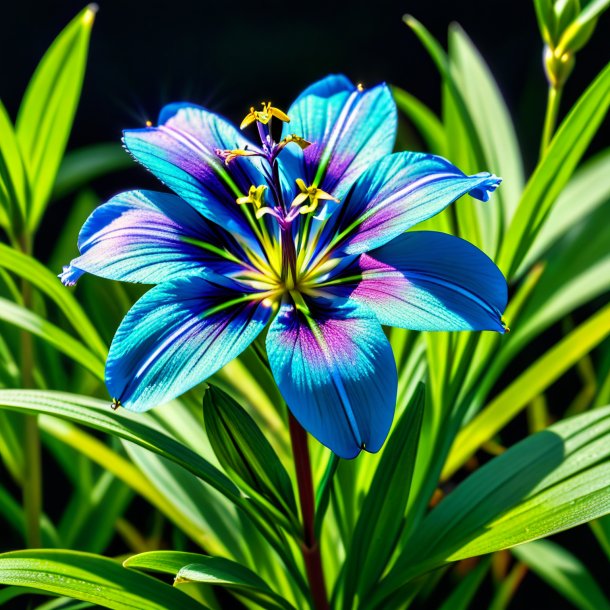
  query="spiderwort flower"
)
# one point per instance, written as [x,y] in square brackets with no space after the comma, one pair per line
[306,235]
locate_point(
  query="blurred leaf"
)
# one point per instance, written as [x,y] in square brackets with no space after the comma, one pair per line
[426,122]
[97,414]
[577,34]
[82,166]
[601,529]
[554,171]
[25,319]
[12,513]
[380,520]
[546,20]
[527,386]
[211,570]
[549,482]
[48,108]
[11,446]
[65,244]
[243,450]
[39,276]
[13,180]
[490,117]
[114,462]
[586,192]
[91,578]
[199,511]
[462,595]
[564,572]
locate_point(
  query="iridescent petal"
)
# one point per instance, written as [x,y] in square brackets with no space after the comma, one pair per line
[336,371]
[427,281]
[181,152]
[396,193]
[349,129]
[177,335]
[148,237]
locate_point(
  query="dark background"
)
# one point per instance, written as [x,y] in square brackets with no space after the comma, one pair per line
[230,55]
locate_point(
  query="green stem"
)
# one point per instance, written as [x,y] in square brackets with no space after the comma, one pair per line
[310,546]
[550,119]
[32,477]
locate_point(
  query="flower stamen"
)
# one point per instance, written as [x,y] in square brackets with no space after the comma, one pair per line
[228,155]
[312,194]
[264,116]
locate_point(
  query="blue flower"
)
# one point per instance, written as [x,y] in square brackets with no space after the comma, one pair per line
[306,235]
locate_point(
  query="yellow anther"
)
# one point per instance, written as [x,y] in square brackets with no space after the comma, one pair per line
[312,194]
[229,155]
[360,87]
[264,116]
[255,196]
[115,404]
[148,123]
[298,140]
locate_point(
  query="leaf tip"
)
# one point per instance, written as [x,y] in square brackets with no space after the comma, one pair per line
[89,13]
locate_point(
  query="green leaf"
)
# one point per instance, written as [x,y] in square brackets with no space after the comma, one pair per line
[193,567]
[546,20]
[490,116]
[79,167]
[243,450]
[527,386]
[554,171]
[13,180]
[25,319]
[578,33]
[564,572]
[380,519]
[549,482]
[97,414]
[463,594]
[39,276]
[426,122]
[48,108]
[590,188]
[91,578]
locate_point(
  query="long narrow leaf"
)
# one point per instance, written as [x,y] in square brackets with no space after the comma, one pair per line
[91,578]
[527,386]
[48,108]
[97,414]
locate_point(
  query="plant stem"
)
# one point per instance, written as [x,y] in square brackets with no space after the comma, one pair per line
[550,119]
[310,546]
[32,477]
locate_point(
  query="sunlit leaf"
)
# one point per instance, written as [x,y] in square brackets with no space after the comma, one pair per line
[551,481]
[48,108]
[527,386]
[194,567]
[91,578]
[564,572]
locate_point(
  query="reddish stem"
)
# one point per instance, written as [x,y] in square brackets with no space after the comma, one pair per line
[310,546]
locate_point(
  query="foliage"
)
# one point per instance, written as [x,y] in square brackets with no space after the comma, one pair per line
[218,484]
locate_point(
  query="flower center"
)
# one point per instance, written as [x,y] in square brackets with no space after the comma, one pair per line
[287,246]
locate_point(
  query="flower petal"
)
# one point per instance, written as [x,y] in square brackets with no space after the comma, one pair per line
[348,128]
[181,153]
[425,280]
[396,193]
[336,371]
[147,237]
[177,335]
